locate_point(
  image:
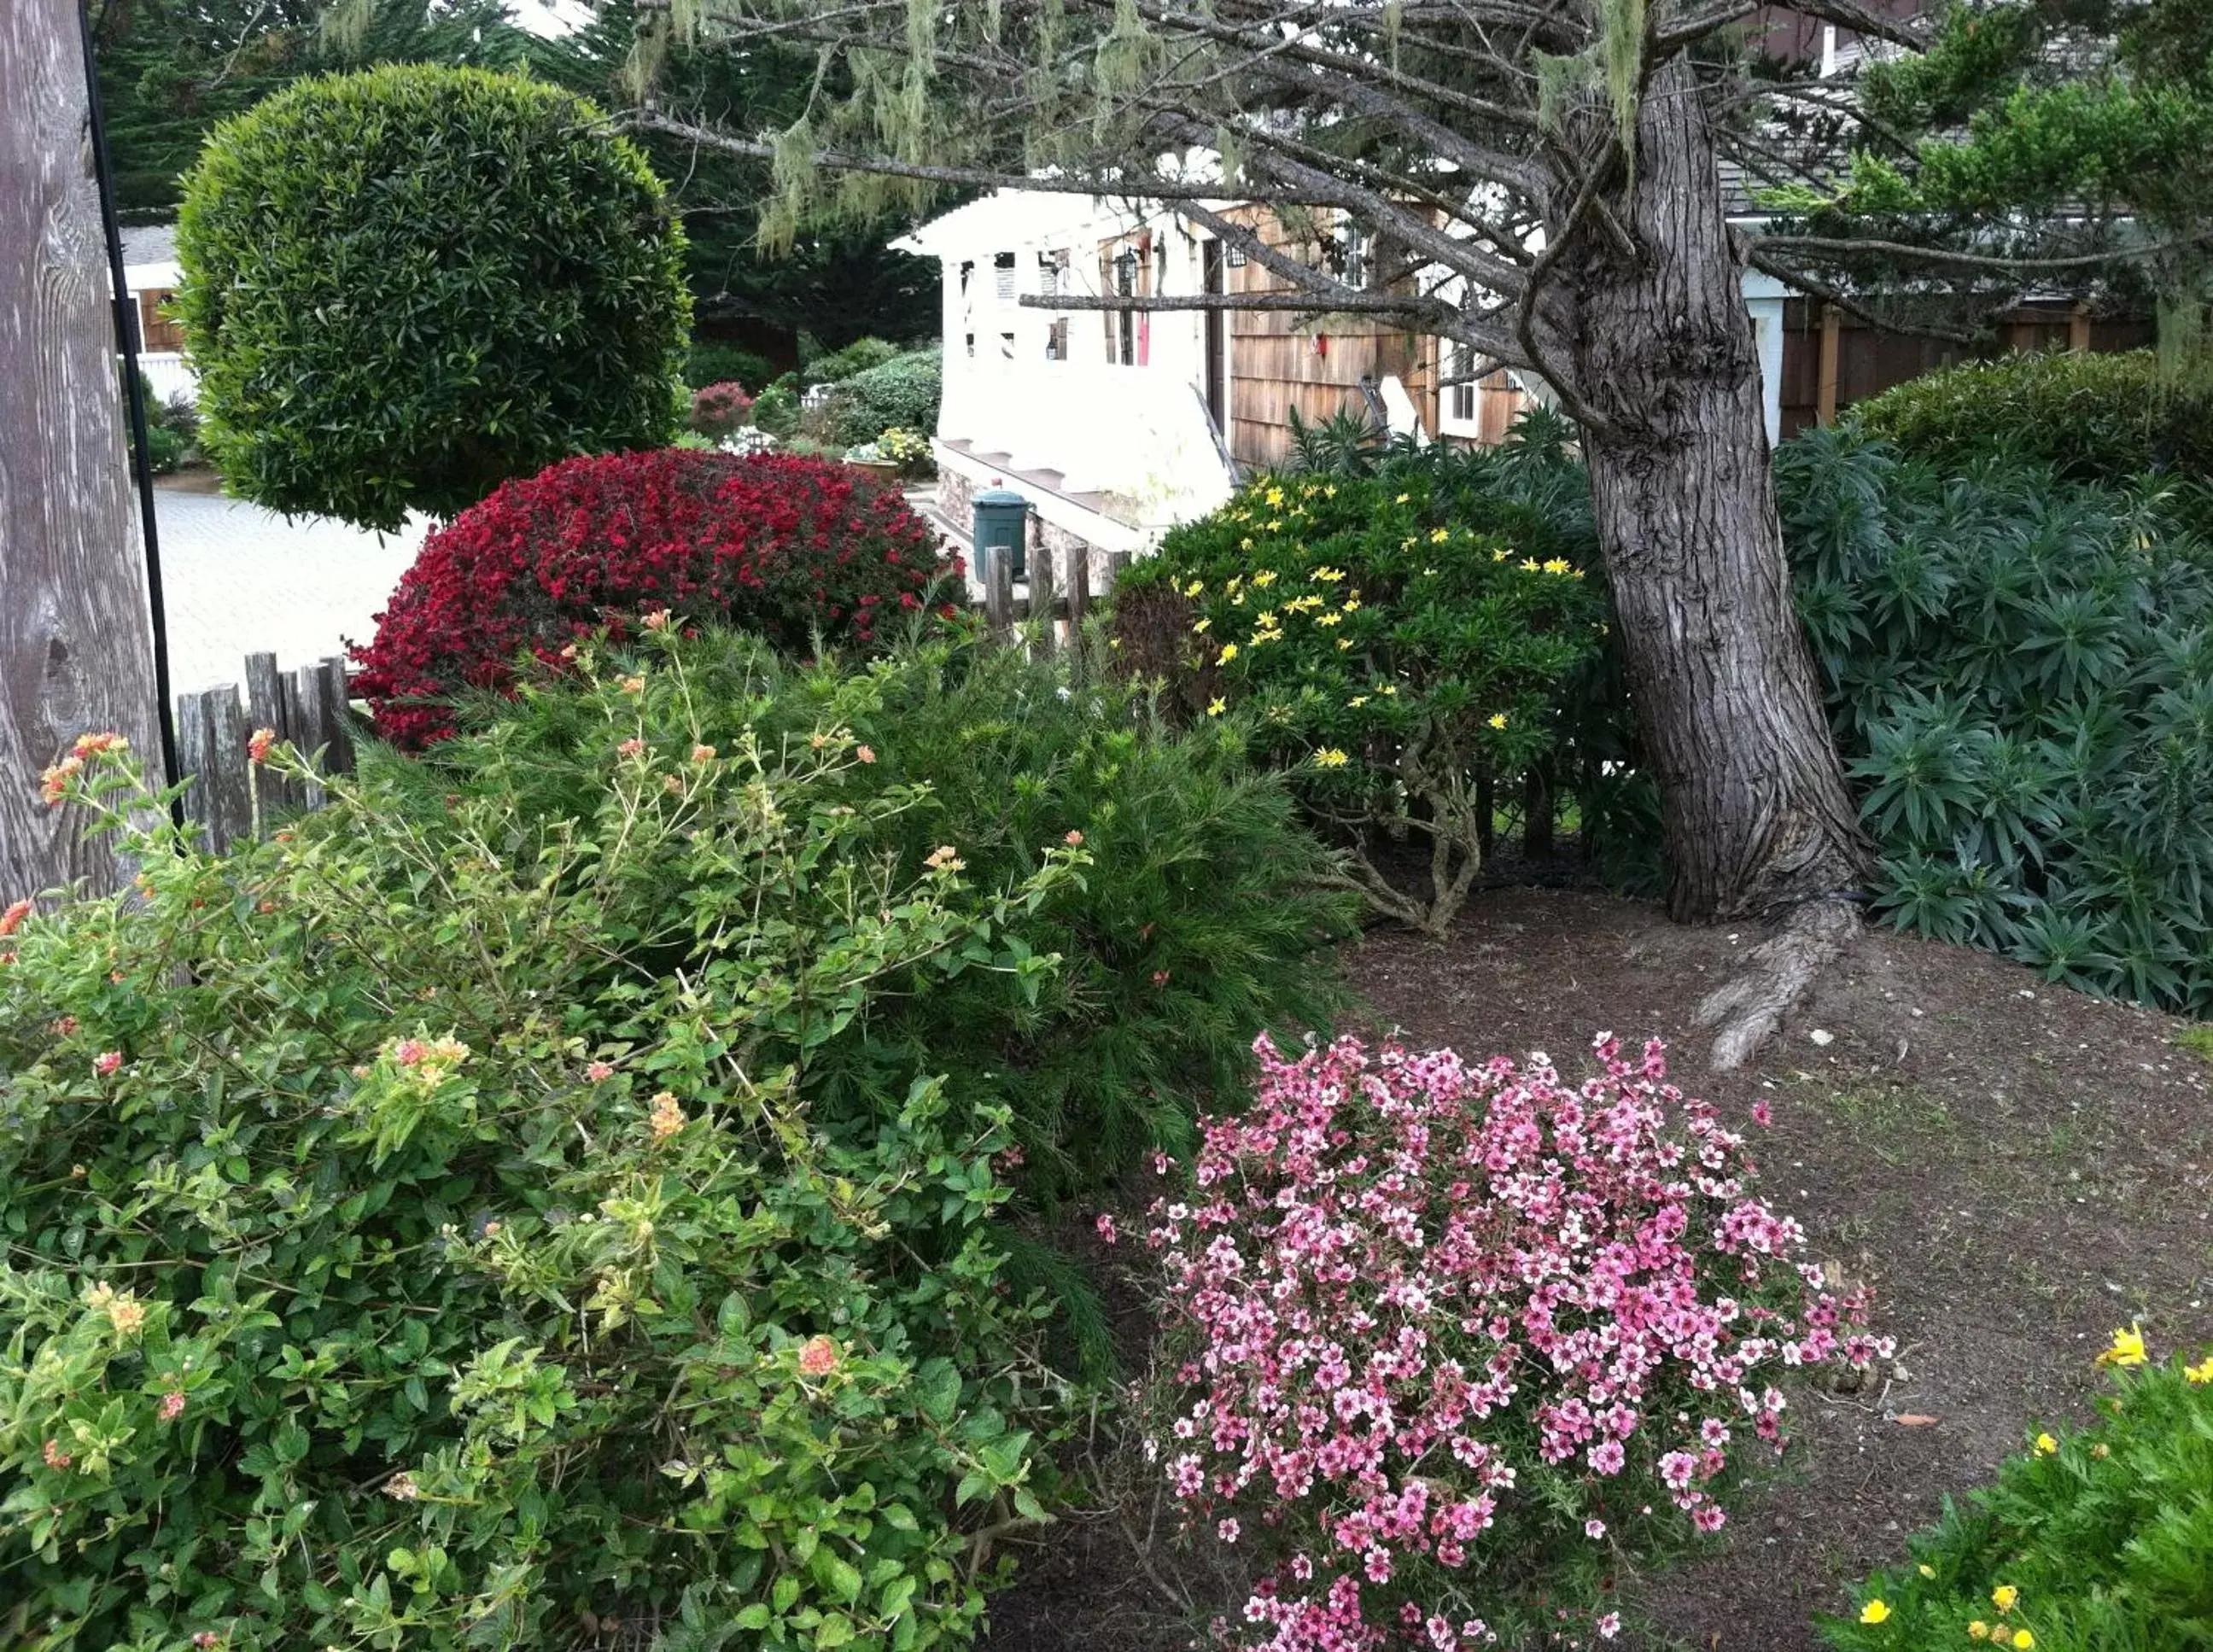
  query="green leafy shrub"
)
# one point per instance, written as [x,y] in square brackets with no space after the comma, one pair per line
[2092,418]
[903,392]
[710,361]
[427,1227]
[858,357]
[2020,675]
[776,410]
[1199,920]
[1397,643]
[495,283]
[165,448]
[1347,442]
[2091,1540]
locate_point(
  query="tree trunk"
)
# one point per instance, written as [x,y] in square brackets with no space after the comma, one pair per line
[1758,817]
[75,644]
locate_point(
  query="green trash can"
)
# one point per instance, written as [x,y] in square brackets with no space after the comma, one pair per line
[1002,522]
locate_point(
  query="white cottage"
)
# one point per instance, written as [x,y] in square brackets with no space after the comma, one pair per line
[1110,422]
[150,273]
[1117,424]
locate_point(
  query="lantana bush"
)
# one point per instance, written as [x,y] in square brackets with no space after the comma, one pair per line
[1453,1345]
[788,548]
[422,1231]
[1392,648]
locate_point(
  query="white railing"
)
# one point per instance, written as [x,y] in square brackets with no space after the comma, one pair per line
[165,369]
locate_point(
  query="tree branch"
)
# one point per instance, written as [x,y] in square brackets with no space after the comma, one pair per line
[1899,249]
[1149,189]
[1413,307]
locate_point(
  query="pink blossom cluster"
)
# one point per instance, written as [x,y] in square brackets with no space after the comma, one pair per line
[1448,1326]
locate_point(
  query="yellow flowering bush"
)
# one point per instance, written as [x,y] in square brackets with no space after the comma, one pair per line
[2090,1540]
[1399,642]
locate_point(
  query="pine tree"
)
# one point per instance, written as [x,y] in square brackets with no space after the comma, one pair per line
[1543,180]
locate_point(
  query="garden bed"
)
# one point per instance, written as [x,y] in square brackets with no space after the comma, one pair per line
[2015,1169]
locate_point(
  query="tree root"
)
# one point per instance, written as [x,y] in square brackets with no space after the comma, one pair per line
[1749,1006]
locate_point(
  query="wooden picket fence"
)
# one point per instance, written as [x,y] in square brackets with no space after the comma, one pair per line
[228,798]
[1064,593]
[225,795]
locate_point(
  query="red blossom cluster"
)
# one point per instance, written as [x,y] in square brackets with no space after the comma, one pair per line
[777,545]
[1442,1318]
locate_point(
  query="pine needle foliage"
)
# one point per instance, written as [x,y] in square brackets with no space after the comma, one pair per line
[1123,1003]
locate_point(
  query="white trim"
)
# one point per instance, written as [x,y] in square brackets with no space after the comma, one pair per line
[1059,511]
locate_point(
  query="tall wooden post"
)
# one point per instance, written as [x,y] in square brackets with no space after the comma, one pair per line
[1825,388]
[76,641]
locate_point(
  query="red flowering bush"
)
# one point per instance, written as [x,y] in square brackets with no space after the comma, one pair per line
[1456,1338]
[776,545]
[719,409]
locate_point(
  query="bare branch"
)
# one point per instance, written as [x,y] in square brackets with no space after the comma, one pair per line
[1134,189]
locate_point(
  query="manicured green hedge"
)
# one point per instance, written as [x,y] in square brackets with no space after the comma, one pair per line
[903,392]
[2096,418]
[403,286]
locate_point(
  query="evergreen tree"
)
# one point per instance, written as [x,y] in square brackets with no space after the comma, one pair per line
[1539,180]
[837,281]
[2043,142]
[169,69]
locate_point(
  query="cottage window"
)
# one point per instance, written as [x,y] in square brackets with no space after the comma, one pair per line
[1461,393]
[1003,276]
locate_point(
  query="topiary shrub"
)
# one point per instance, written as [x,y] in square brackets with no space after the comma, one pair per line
[2091,417]
[424,1231]
[776,410]
[2092,1540]
[2020,672]
[903,392]
[402,287]
[788,547]
[1456,1349]
[719,409]
[1399,642]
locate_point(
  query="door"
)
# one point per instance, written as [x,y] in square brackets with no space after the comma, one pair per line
[1217,339]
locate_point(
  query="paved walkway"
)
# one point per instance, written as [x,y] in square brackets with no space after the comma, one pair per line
[239,580]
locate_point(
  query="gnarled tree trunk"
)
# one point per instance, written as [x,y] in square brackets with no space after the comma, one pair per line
[1758,821]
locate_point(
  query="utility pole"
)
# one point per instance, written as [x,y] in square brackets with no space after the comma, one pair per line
[76,637]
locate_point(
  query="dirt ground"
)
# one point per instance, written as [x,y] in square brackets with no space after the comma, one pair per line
[2015,1168]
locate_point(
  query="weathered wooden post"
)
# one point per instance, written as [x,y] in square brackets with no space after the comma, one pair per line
[76,640]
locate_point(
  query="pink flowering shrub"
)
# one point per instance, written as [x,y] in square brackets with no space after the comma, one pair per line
[1454,1338]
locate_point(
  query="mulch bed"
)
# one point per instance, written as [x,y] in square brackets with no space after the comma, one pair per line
[2015,1168]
